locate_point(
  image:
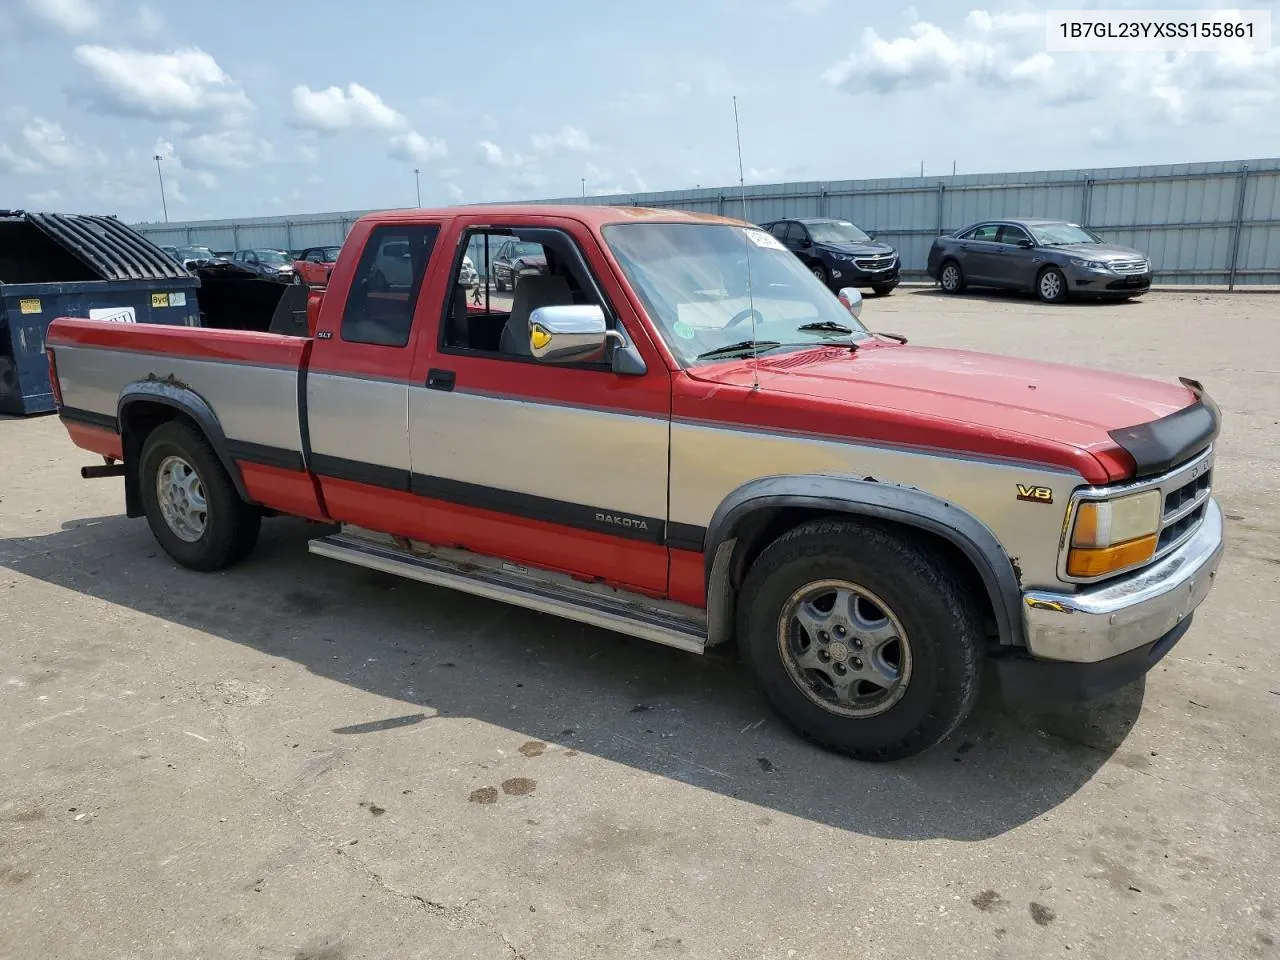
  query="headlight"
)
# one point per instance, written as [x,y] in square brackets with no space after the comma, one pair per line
[1113,535]
[843,257]
[1090,264]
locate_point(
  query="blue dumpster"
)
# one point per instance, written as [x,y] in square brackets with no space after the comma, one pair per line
[60,265]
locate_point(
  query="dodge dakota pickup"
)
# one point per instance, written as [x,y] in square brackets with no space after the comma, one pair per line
[672,430]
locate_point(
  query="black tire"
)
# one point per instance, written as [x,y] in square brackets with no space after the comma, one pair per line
[883,289]
[917,585]
[944,278]
[819,271]
[231,526]
[1051,285]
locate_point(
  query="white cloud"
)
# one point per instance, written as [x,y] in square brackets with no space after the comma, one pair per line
[416,148]
[11,162]
[495,156]
[73,16]
[183,83]
[1005,51]
[206,179]
[226,150]
[44,198]
[569,139]
[455,193]
[333,110]
[307,154]
[47,141]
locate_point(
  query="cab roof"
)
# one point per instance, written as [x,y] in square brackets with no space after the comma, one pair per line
[592,216]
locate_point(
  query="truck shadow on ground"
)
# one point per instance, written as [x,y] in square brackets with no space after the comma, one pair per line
[695,719]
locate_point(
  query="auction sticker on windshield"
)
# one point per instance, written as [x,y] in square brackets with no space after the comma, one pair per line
[762,239]
[114,314]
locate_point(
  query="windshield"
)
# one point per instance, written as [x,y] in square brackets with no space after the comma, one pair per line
[331,254]
[692,279]
[1053,234]
[836,231]
[196,253]
[273,256]
[523,249]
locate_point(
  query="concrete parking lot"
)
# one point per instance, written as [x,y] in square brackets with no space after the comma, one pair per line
[298,759]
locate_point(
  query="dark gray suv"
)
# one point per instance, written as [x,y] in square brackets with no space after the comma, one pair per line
[1052,258]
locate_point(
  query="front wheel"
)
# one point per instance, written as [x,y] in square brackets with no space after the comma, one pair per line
[864,641]
[191,505]
[1051,285]
[819,271]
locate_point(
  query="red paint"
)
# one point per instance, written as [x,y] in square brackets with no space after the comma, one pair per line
[688,583]
[97,440]
[196,343]
[376,508]
[288,491]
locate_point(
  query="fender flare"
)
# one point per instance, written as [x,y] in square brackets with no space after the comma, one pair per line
[910,506]
[183,399]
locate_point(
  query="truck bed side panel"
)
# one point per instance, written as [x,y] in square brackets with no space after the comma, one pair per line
[250,380]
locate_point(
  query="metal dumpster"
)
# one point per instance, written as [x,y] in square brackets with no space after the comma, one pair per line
[66,265]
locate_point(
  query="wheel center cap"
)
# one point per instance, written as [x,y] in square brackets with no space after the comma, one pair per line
[839,651]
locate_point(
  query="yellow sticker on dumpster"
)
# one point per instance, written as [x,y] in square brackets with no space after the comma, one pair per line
[29,305]
[159,299]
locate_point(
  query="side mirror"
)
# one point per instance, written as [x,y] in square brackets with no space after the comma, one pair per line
[568,333]
[852,300]
[1024,243]
[804,242]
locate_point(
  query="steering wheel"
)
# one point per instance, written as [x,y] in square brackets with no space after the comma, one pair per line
[741,315]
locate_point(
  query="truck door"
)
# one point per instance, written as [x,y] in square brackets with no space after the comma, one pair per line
[357,385]
[557,466]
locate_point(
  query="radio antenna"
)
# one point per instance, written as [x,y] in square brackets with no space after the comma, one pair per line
[746,240]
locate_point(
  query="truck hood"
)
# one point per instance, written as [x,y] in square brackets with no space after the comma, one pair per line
[964,401]
[868,248]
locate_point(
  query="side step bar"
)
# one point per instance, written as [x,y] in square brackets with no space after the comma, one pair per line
[549,593]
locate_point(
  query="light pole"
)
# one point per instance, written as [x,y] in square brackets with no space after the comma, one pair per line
[584,188]
[418,184]
[164,205]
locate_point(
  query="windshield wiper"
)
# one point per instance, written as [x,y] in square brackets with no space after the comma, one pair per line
[826,325]
[743,346]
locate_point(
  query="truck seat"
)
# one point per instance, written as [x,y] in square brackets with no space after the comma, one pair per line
[532,292]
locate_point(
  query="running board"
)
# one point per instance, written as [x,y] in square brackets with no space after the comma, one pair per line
[673,625]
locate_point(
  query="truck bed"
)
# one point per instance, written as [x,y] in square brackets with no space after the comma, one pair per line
[252,380]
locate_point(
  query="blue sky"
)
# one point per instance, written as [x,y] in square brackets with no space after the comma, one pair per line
[275,108]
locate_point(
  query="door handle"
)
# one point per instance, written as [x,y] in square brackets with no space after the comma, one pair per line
[441,379]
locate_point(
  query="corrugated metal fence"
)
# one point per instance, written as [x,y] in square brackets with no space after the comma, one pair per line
[1202,223]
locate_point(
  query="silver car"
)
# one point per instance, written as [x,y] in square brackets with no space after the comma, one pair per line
[1052,258]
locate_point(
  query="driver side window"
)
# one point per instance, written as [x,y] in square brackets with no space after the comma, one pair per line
[516,271]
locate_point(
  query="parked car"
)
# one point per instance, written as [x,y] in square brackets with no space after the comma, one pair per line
[871,522]
[313,265]
[1052,258]
[192,257]
[516,259]
[839,253]
[273,264]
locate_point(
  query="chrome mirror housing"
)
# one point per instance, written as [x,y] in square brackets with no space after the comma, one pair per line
[852,300]
[568,333]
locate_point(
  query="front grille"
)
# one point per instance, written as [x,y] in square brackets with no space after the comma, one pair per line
[875,263]
[1126,267]
[1184,508]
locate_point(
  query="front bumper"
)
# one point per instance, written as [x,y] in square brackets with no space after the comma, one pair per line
[844,274]
[1083,644]
[1081,280]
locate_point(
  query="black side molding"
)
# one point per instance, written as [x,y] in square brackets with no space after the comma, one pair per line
[1161,445]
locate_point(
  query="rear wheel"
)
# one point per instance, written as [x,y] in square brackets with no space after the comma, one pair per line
[191,505]
[951,279]
[864,641]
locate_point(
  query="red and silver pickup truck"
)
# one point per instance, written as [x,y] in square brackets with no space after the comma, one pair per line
[675,432]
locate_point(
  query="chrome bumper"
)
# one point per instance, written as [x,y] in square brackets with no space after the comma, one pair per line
[1097,624]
